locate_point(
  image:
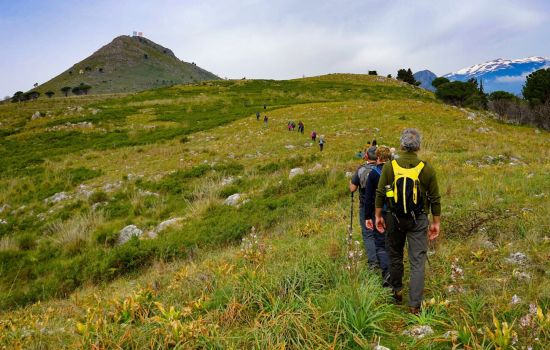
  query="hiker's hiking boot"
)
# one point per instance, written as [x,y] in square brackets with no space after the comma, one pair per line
[397,296]
[386,281]
[414,310]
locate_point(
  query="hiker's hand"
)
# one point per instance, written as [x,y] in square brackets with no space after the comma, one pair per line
[433,231]
[380,224]
[369,224]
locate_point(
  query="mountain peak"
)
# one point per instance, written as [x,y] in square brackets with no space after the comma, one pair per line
[128,63]
[425,77]
[501,74]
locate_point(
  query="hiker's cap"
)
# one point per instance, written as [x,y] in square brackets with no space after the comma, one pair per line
[410,140]
[371,153]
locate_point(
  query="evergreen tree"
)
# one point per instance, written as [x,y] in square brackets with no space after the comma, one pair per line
[66,90]
[406,75]
[537,87]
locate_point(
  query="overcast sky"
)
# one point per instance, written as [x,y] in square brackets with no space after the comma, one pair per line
[274,39]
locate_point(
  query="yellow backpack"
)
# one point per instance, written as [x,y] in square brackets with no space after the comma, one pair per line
[407,194]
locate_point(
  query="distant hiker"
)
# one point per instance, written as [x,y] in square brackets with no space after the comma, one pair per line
[409,188]
[257,115]
[360,154]
[301,127]
[289,126]
[359,182]
[383,155]
[265,120]
[265,106]
[313,136]
[292,125]
[321,142]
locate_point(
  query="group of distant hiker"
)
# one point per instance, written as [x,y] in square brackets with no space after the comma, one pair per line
[396,193]
[291,125]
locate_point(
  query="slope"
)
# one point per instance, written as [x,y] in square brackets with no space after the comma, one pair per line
[128,64]
[287,285]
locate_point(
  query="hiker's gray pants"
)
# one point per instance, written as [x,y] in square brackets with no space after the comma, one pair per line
[416,235]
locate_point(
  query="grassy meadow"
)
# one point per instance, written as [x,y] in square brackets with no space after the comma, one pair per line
[274,271]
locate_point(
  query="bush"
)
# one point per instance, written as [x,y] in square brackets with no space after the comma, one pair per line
[537,87]
[26,242]
[269,168]
[228,191]
[231,168]
[98,197]
[456,92]
[439,81]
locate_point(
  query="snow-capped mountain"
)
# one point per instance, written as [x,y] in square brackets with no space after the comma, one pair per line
[500,74]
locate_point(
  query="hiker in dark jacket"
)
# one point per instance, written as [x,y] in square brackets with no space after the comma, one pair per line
[383,155]
[359,182]
[412,227]
[321,143]
[258,116]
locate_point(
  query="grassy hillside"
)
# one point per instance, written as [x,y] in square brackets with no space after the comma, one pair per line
[127,64]
[210,280]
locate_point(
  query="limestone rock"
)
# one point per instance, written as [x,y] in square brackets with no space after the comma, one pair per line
[295,171]
[517,258]
[36,115]
[228,181]
[317,167]
[128,232]
[233,200]
[419,332]
[58,197]
[167,223]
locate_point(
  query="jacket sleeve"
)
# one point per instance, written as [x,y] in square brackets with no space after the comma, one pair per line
[370,194]
[432,191]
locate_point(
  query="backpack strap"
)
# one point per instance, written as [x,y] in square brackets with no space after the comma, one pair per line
[377,170]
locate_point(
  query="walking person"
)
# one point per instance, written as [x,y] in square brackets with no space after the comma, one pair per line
[313,136]
[258,116]
[301,127]
[265,120]
[359,182]
[321,143]
[409,187]
[383,155]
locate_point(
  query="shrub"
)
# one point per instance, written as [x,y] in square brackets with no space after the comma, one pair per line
[228,191]
[26,241]
[231,168]
[98,197]
[537,87]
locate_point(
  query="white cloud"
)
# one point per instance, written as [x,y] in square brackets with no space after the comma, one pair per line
[511,78]
[279,39]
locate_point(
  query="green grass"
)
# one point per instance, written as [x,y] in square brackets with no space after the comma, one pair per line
[288,288]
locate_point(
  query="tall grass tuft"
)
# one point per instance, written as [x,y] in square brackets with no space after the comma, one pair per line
[76,230]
